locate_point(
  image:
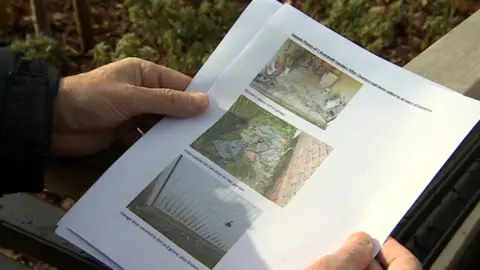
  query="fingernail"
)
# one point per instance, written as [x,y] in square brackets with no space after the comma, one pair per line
[200,99]
[360,239]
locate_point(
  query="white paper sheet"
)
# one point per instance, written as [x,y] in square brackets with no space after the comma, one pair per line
[379,153]
[244,29]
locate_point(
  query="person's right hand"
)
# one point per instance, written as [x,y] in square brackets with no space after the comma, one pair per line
[118,102]
[357,252]
[393,256]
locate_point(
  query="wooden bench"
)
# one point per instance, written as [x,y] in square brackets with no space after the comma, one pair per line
[27,224]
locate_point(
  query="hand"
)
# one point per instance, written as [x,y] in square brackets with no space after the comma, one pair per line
[357,254]
[118,102]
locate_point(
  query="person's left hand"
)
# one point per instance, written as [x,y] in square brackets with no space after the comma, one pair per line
[357,253]
[118,101]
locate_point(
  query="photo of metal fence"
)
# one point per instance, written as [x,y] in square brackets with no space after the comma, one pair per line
[195,211]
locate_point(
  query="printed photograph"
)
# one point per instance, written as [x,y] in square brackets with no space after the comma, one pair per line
[306,85]
[195,211]
[268,154]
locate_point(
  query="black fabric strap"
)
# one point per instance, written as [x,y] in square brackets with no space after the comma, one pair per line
[26,116]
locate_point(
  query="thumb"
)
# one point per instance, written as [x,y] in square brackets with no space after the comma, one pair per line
[356,254]
[167,101]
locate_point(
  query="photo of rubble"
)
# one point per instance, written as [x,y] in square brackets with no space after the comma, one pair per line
[268,154]
[305,84]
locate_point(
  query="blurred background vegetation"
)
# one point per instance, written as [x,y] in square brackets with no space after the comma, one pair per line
[79,35]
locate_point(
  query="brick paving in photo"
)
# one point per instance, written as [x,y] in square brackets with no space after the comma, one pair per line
[308,154]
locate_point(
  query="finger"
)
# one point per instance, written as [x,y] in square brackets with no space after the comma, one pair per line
[166,101]
[394,256]
[356,253]
[374,265]
[358,250]
[157,76]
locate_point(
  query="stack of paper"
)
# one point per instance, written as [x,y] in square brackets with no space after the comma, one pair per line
[308,139]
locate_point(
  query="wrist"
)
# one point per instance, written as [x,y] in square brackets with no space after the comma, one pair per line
[62,109]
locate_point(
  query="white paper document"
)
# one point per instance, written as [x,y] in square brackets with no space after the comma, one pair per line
[308,139]
[244,29]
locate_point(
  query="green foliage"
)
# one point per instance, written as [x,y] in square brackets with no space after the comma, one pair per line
[288,131]
[42,48]
[314,8]
[129,45]
[370,26]
[184,33]
[395,29]
[102,54]
[429,19]
[436,26]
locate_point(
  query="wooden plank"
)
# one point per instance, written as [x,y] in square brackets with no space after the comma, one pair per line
[454,60]
[28,224]
[9,264]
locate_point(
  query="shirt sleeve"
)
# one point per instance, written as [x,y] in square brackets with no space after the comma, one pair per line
[28,89]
